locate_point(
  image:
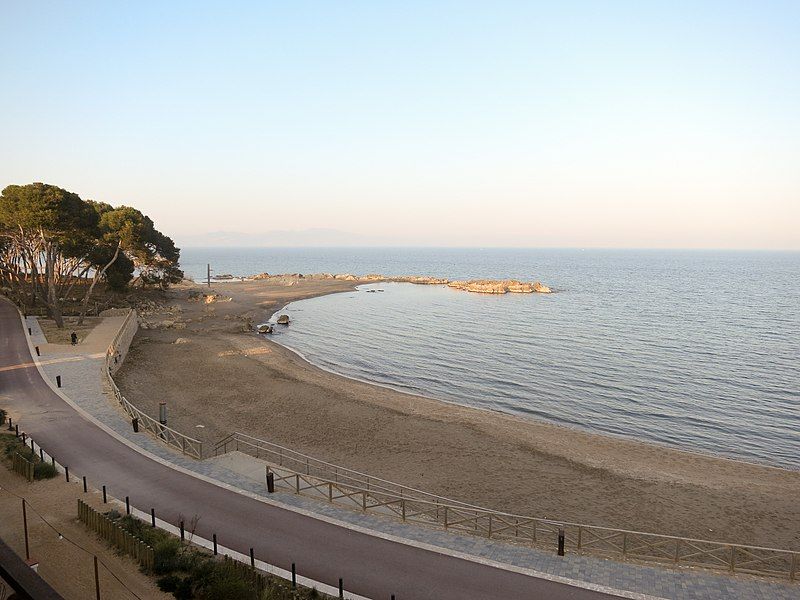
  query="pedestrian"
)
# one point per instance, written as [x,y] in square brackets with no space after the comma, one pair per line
[73,338]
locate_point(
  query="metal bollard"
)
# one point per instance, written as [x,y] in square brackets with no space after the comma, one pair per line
[41,454]
[153,517]
[66,471]
[37,351]
[24,438]
[341,589]
[10,425]
[561,541]
[252,559]
[104,495]
[16,430]
[127,505]
[215,544]
[58,380]
[53,461]
[271,482]
[135,423]
[182,534]
[85,489]
[294,576]
[29,331]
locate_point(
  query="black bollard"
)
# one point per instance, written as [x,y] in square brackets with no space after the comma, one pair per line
[66,471]
[10,425]
[271,482]
[561,541]
[135,423]
[127,505]
[182,534]
[341,589]
[294,576]
[58,380]
[16,430]
[252,559]
[215,544]
[85,489]
[153,517]
[29,331]
[53,462]
[41,454]
[37,351]
[24,438]
[104,495]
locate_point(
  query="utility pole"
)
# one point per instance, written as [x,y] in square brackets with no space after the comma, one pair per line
[208,276]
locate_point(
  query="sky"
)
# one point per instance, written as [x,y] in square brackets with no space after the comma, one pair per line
[528,124]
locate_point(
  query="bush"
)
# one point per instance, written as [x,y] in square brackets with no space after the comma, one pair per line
[44,470]
[167,556]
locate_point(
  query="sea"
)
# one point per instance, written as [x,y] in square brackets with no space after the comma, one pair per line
[697,350]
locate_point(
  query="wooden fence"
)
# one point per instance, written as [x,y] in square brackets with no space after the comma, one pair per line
[116,536]
[22,466]
[175,439]
[305,475]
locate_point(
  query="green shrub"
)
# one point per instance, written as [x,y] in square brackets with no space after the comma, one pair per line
[167,556]
[44,470]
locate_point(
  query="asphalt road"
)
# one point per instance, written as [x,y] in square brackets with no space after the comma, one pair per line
[370,566]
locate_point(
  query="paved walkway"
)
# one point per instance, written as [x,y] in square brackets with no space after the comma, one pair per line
[80,368]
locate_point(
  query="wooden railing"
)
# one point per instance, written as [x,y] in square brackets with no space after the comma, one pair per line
[173,438]
[308,476]
[117,536]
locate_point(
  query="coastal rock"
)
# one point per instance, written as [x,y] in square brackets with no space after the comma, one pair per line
[420,280]
[283,320]
[264,328]
[372,277]
[261,276]
[499,286]
[180,341]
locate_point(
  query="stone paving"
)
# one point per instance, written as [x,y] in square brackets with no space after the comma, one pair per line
[81,370]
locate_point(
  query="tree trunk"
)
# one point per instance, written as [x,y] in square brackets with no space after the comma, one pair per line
[53,302]
[97,276]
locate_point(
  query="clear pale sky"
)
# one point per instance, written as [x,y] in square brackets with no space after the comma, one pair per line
[614,124]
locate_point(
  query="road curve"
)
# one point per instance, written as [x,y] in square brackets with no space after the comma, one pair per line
[370,566]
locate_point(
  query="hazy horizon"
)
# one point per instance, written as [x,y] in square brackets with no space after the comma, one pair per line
[436,124]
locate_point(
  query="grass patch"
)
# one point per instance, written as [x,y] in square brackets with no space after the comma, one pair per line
[11,444]
[192,573]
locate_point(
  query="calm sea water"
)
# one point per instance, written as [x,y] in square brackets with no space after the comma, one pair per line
[694,349]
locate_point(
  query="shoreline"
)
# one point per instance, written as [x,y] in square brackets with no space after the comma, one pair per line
[486,457]
[533,419]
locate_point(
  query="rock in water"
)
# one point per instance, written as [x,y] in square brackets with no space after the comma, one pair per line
[540,288]
[283,320]
[264,328]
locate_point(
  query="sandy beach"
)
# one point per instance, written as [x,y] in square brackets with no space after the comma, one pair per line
[220,376]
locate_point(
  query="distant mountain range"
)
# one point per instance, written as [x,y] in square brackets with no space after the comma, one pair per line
[304,237]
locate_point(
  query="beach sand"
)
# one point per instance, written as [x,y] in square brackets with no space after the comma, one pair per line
[228,380]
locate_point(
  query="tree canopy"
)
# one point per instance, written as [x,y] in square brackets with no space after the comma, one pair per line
[52,241]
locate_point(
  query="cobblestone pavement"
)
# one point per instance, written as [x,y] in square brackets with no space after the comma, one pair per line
[81,371]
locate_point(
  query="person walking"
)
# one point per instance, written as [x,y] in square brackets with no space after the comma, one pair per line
[73,338]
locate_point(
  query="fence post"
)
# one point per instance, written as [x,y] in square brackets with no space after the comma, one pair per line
[96,580]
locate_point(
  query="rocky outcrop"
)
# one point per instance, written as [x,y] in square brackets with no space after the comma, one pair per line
[480,286]
[420,280]
[499,286]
